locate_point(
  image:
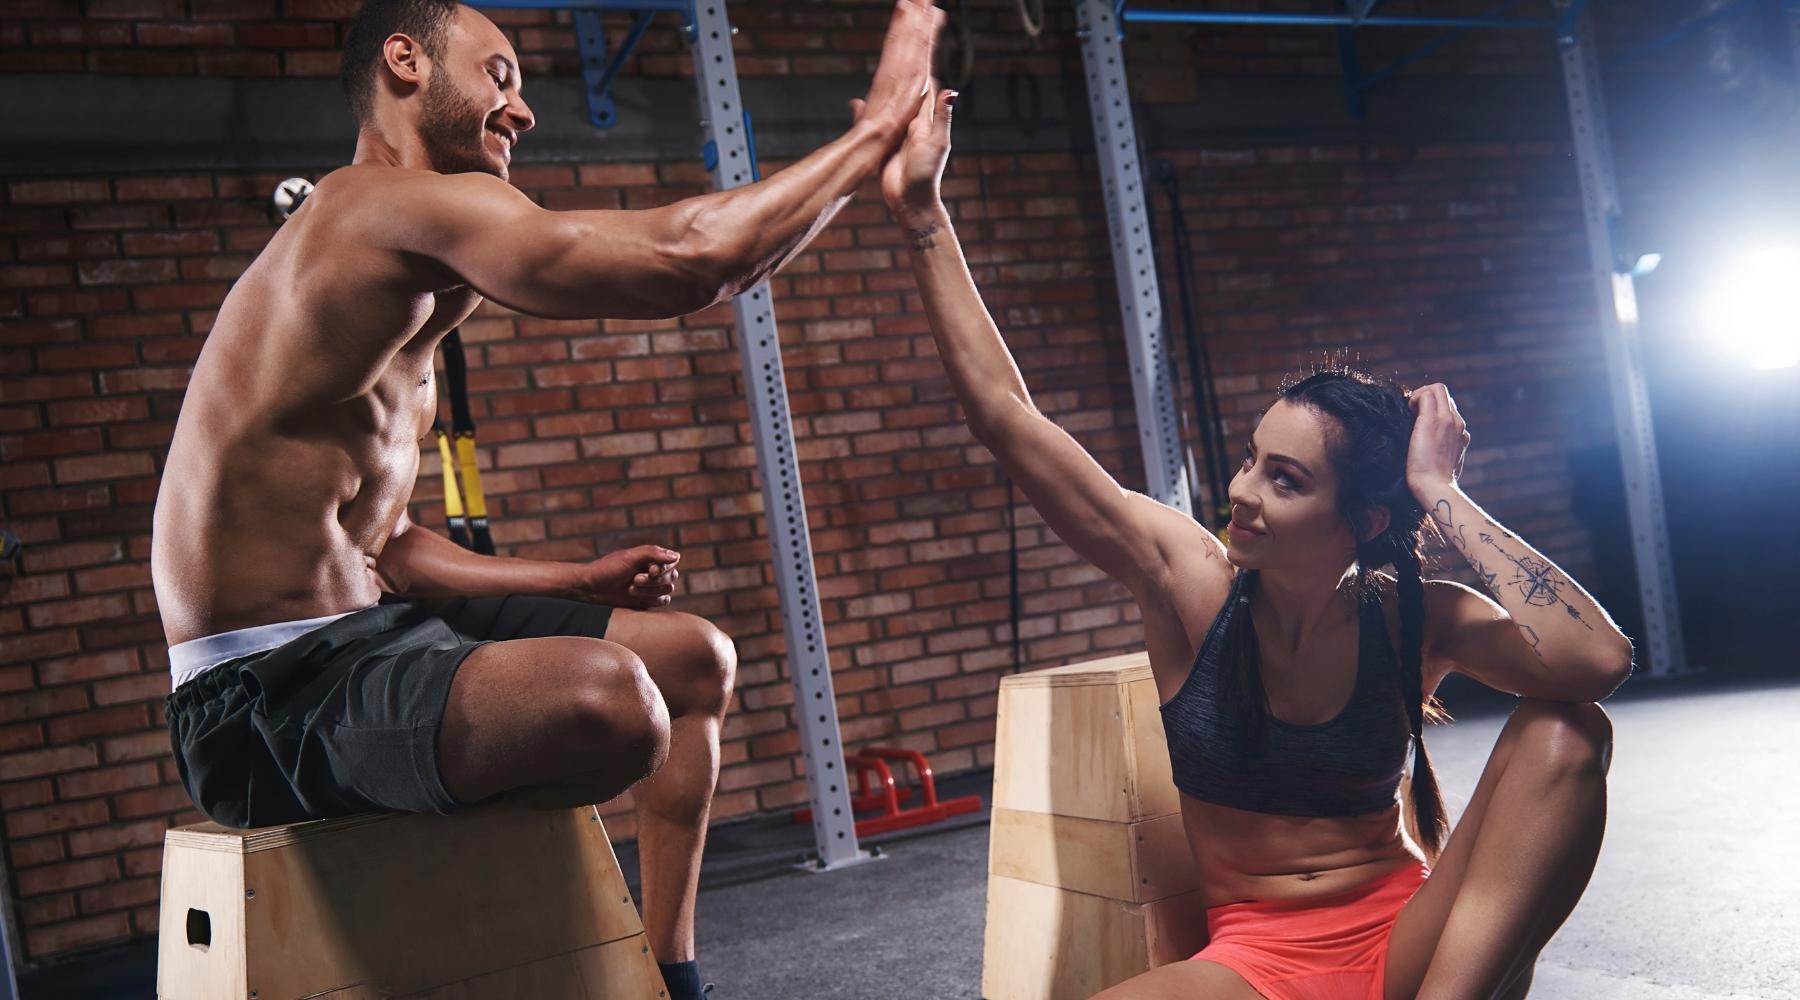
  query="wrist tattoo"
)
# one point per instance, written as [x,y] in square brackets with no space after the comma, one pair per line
[922,239]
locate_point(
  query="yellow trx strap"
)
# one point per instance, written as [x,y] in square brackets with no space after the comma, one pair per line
[453,508]
[471,479]
[462,427]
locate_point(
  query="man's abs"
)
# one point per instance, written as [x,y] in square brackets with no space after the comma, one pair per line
[255,531]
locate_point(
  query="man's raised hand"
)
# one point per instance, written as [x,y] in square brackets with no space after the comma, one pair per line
[902,77]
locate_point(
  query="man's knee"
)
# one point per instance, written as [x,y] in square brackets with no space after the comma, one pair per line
[705,667]
[616,714]
[1576,736]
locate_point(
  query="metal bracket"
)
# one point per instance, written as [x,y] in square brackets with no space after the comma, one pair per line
[709,155]
[599,68]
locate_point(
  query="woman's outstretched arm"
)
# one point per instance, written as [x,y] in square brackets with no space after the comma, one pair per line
[1155,551]
[1547,638]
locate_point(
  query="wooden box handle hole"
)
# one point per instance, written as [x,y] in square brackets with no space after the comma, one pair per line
[199,929]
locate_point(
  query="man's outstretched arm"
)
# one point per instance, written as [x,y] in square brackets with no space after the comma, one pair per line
[662,262]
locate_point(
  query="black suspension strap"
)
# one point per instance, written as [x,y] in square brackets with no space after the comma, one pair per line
[462,428]
[1200,371]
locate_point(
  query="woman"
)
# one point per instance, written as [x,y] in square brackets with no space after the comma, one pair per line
[1294,677]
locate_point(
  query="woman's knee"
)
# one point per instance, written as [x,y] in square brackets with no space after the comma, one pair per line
[618,716]
[1576,736]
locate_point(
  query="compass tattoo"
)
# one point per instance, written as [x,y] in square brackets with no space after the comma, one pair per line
[1538,581]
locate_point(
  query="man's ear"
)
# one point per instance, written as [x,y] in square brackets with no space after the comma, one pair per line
[404,58]
[1375,523]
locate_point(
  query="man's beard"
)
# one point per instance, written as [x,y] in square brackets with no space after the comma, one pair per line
[454,131]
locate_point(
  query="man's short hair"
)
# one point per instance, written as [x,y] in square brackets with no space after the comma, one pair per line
[425,21]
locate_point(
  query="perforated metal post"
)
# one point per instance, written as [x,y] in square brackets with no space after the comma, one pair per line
[9,983]
[1140,302]
[1617,300]
[815,706]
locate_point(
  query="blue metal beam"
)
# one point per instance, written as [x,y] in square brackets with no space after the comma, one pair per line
[653,6]
[1398,65]
[599,68]
[1330,20]
[1691,26]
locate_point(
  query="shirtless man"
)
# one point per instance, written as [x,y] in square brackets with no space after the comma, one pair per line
[332,657]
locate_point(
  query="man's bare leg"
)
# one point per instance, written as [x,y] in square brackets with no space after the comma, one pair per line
[692,664]
[565,722]
[552,721]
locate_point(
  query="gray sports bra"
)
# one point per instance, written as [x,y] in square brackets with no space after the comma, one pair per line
[1347,766]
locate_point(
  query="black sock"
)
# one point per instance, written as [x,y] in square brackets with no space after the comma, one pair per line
[682,979]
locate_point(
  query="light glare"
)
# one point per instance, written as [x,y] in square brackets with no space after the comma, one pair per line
[1754,314]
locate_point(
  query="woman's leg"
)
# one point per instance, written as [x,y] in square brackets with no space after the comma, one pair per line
[1189,980]
[1516,864]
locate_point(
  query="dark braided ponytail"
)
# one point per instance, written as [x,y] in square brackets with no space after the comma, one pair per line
[1427,802]
[1368,451]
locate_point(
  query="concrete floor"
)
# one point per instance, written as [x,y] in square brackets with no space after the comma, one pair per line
[1694,898]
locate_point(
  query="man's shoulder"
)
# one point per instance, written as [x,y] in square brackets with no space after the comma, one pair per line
[405,204]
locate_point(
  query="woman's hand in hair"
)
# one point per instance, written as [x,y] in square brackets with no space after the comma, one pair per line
[1440,441]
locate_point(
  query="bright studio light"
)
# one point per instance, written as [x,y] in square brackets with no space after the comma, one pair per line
[1754,312]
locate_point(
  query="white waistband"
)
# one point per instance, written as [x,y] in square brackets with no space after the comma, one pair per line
[190,659]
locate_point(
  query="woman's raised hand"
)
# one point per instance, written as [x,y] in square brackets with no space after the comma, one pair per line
[912,177]
[1440,440]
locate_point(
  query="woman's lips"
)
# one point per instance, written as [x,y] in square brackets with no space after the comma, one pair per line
[1245,530]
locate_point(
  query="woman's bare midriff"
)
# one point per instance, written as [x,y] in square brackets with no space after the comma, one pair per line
[1256,856]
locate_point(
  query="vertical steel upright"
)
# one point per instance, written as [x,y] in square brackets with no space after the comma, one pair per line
[1140,301]
[815,707]
[1617,299]
[9,982]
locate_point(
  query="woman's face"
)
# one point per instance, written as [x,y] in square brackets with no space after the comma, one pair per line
[1284,513]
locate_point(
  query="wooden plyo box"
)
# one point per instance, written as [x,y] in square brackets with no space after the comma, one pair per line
[1090,880]
[493,903]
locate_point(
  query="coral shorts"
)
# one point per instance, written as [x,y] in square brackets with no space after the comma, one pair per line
[1330,948]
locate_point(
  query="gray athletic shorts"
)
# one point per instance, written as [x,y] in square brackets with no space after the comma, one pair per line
[345,718]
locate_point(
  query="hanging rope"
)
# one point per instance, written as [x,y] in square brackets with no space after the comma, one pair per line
[1034,26]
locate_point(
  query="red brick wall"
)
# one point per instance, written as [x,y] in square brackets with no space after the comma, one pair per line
[1458,262]
[247,38]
